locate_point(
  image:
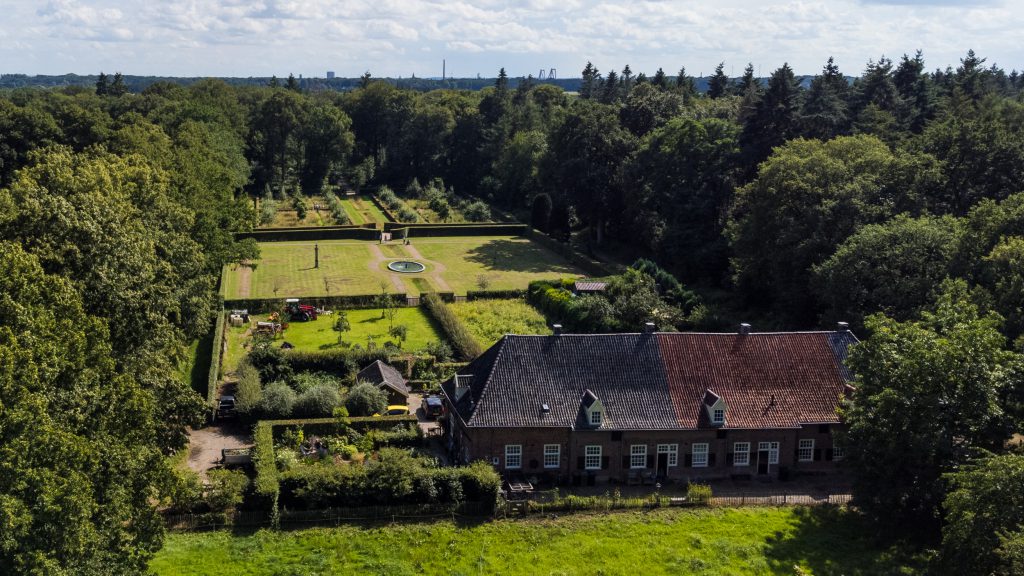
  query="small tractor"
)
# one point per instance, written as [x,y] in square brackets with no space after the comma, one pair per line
[299,312]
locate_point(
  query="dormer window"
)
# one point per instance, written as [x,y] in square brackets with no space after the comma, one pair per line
[591,410]
[715,407]
[595,418]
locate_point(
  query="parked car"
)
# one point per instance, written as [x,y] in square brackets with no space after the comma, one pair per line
[432,407]
[226,406]
[395,410]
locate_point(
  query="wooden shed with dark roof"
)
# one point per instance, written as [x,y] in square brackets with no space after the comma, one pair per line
[388,379]
[670,405]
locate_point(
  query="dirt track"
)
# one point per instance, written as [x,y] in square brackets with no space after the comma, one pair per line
[205,444]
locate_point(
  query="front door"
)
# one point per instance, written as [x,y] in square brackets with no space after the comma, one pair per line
[762,461]
[662,465]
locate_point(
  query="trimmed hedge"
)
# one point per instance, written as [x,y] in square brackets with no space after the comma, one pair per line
[352,232]
[264,305]
[494,294]
[337,360]
[470,229]
[213,377]
[458,334]
[328,426]
[267,484]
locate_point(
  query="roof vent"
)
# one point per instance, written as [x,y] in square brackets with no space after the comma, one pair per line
[843,326]
[545,409]
[744,328]
[649,327]
[556,328]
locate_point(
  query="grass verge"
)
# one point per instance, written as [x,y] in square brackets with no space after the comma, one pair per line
[694,541]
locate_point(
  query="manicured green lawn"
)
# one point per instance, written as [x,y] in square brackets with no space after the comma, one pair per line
[367,326]
[489,320]
[707,541]
[351,267]
[361,210]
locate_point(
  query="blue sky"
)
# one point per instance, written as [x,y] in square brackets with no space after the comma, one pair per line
[404,37]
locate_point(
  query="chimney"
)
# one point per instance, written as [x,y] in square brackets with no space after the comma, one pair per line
[744,328]
[649,327]
[843,326]
[556,328]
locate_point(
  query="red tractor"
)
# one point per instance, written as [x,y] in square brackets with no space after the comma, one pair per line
[299,312]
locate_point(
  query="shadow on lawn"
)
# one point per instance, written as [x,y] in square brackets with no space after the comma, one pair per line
[830,540]
[460,521]
[511,256]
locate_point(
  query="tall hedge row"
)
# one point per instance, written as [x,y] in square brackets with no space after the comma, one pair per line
[362,232]
[217,346]
[264,305]
[267,484]
[457,333]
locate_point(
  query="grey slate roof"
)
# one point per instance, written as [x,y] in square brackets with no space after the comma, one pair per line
[383,374]
[519,373]
[655,381]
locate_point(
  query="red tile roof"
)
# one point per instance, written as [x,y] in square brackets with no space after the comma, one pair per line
[766,380]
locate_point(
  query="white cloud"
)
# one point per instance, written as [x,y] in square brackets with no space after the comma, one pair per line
[393,37]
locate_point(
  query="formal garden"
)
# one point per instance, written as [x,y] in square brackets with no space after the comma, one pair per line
[456,264]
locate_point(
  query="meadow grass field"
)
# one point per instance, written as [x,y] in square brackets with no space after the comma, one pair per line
[367,326]
[698,541]
[489,320]
[349,267]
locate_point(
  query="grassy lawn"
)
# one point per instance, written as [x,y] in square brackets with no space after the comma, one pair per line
[708,541]
[351,267]
[361,210]
[367,326]
[489,320]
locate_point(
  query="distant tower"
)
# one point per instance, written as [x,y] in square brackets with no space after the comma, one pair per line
[552,74]
[444,68]
[330,74]
[540,75]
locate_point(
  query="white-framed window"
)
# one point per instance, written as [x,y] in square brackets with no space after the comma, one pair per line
[595,418]
[805,451]
[700,455]
[773,451]
[718,416]
[838,452]
[638,456]
[673,453]
[592,457]
[741,454]
[552,455]
[513,456]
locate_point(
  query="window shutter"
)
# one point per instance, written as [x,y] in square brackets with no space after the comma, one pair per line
[625,461]
[579,463]
[828,455]
[688,460]
[604,462]
[711,459]
[650,460]
[729,458]
[817,454]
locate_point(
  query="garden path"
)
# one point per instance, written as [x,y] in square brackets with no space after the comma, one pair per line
[205,444]
[437,266]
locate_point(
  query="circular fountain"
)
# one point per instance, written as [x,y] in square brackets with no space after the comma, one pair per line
[406,266]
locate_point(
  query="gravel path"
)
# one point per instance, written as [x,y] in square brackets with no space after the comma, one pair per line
[205,444]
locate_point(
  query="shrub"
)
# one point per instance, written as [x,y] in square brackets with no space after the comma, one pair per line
[268,209]
[226,488]
[270,362]
[388,197]
[480,483]
[319,400]
[440,350]
[698,493]
[278,400]
[337,209]
[406,214]
[300,207]
[365,399]
[454,329]
[477,212]
[249,390]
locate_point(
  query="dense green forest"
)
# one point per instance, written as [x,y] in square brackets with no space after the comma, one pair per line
[901,193]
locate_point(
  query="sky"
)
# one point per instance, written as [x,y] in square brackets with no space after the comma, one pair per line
[399,38]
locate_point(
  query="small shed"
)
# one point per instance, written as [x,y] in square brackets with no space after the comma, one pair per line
[388,379]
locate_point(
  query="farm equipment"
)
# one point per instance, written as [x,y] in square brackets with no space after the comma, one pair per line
[300,312]
[269,328]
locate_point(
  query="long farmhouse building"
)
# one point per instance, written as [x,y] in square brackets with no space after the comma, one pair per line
[594,407]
